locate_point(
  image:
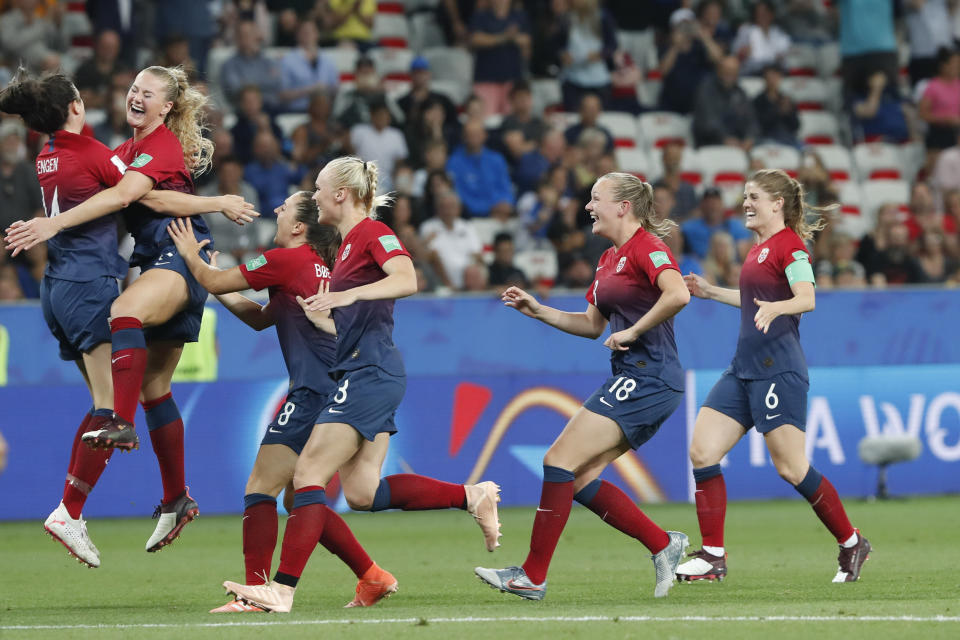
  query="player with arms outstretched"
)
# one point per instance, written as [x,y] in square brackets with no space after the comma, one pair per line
[353,430]
[766,384]
[637,289]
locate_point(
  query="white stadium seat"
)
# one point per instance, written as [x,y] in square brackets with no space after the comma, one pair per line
[638,162]
[777,156]
[658,128]
[881,161]
[391,30]
[622,126]
[837,161]
[539,265]
[726,168]
[819,127]
[290,121]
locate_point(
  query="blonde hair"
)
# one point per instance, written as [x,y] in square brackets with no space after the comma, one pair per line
[803,218]
[186,119]
[360,177]
[629,187]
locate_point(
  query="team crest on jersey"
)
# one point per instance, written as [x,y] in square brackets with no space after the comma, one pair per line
[346,252]
[621,264]
[763,255]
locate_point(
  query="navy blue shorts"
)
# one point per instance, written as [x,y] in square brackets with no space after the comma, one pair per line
[367,400]
[293,424]
[767,404]
[78,312]
[638,405]
[184,326]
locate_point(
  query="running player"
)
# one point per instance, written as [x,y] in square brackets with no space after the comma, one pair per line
[164,305]
[353,429]
[80,280]
[638,289]
[766,384]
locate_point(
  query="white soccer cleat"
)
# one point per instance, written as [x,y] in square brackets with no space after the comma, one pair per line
[171,519]
[667,560]
[73,535]
[238,606]
[482,502]
[269,597]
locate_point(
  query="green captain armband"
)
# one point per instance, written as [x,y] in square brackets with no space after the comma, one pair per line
[800,269]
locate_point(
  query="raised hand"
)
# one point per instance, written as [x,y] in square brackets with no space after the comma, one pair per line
[182,233]
[522,301]
[25,235]
[238,210]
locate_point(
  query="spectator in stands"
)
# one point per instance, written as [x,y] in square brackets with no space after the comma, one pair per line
[306,70]
[476,278]
[689,58]
[569,240]
[951,207]
[421,92]
[720,266]
[368,90]
[760,42]
[500,38]
[686,262]
[349,21]
[453,239]
[379,142]
[533,165]
[590,150]
[895,264]
[251,119]
[503,272]
[586,42]
[924,215]
[231,238]
[21,201]
[841,269]
[250,67]
[590,109]
[454,16]
[175,52]
[776,114]
[480,175]
[191,20]
[879,114]
[867,42]
[9,284]
[435,158]
[929,28]
[437,182]
[321,138]
[430,126]
[713,24]
[940,105]
[809,21]
[35,40]
[712,219]
[94,77]
[521,115]
[114,130]
[873,244]
[117,16]
[684,194]
[547,24]
[663,201]
[234,11]
[936,265]
[819,189]
[269,173]
[722,112]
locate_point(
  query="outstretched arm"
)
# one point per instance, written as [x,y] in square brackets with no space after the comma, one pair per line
[700,288]
[176,203]
[586,324]
[210,278]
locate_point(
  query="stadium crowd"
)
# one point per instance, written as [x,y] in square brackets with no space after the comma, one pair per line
[490,121]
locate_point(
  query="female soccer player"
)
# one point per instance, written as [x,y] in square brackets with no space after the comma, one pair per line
[293,271]
[80,281]
[766,384]
[638,289]
[164,305]
[353,430]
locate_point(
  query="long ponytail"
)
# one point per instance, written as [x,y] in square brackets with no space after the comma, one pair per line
[186,119]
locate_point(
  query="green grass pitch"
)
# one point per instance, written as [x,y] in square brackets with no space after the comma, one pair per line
[600,584]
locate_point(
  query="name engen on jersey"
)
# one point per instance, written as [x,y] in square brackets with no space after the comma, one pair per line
[48,165]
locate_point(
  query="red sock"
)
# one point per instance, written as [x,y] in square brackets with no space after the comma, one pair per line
[85,469]
[166,436]
[616,509]
[411,492]
[82,429]
[128,362]
[259,540]
[711,497]
[555,502]
[304,528]
[338,539]
[826,503]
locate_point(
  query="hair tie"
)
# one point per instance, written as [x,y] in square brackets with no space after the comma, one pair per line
[364,166]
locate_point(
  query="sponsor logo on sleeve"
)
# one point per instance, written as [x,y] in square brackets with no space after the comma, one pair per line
[390,243]
[141,160]
[256,263]
[659,258]
[801,255]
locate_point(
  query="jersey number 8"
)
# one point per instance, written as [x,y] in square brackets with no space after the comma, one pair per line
[284,416]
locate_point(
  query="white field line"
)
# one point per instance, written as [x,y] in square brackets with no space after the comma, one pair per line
[276,622]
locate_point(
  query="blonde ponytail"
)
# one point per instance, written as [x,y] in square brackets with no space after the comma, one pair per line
[187,118]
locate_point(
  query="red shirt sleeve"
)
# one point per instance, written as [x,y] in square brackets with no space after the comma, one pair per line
[790,244]
[653,258]
[159,158]
[107,168]
[383,243]
[272,268]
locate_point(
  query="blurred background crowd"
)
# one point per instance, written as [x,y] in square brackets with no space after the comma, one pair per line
[491,119]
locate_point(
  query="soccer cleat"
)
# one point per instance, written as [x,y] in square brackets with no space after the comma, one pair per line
[238,606]
[667,560]
[512,580]
[703,566]
[482,502]
[73,535]
[111,432]
[375,585]
[173,517]
[851,560]
[269,597]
